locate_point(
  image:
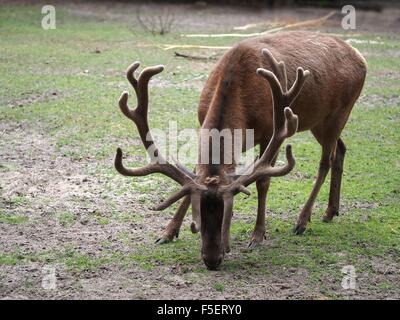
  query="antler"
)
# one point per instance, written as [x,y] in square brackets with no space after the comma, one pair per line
[158,163]
[284,125]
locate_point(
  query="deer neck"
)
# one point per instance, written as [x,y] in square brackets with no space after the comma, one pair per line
[217,136]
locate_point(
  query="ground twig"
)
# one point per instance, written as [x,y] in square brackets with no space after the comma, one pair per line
[191,57]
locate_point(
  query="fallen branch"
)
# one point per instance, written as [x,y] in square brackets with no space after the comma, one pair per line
[167,47]
[190,46]
[307,23]
[257,25]
[223,35]
[187,56]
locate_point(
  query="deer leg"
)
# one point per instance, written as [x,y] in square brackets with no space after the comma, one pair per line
[174,225]
[262,189]
[336,179]
[324,166]
[259,229]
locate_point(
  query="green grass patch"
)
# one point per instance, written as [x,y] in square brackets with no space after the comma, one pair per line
[13,218]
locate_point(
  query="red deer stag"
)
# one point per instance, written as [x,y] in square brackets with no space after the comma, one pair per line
[235,97]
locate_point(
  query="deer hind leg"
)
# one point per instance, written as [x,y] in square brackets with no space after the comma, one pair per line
[336,179]
[174,225]
[328,151]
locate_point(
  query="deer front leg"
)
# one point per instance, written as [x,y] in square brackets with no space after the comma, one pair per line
[174,225]
[262,185]
[259,230]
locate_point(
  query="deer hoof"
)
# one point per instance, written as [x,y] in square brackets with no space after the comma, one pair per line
[327,218]
[256,239]
[253,244]
[162,240]
[329,215]
[165,238]
[194,228]
[299,229]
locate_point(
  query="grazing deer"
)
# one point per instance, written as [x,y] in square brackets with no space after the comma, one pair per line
[235,97]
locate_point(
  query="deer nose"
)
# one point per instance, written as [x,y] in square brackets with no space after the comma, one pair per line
[212,263]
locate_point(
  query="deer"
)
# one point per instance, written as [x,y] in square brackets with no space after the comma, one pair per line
[276,85]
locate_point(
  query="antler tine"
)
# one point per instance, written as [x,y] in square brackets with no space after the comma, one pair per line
[173,198]
[195,200]
[277,67]
[287,130]
[143,92]
[130,74]
[184,169]
[226,220]
[291,123]
[294,91]
[262,170]
[187,189]
[166,169]
[277,171]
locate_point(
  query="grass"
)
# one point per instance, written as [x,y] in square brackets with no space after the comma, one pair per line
[85,123]
[17,200]
[13,218]
[9,259]
[219,287]
[66,219]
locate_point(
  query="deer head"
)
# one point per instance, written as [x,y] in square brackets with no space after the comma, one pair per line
[212,197]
